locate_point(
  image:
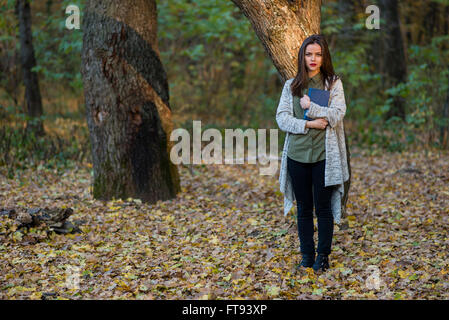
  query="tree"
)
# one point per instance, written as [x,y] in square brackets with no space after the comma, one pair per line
[282,26]
[127,102]
[393,54]
[444,129]
[33,99]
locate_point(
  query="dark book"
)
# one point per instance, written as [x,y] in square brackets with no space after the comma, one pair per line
[318,96]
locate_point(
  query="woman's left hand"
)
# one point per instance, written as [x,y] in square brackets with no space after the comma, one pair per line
[305,102]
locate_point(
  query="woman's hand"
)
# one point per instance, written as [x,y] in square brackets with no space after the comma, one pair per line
[305,102]
[319,123]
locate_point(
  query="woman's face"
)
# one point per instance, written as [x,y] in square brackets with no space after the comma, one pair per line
[313,56]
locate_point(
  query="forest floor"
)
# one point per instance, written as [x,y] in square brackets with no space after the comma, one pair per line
[225,237]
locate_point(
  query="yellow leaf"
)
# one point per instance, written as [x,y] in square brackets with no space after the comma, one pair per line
[122,285]
[304,279]
[252,221]
[21,289]
[36,296]
[148,252]
[310,273]
[214,239]
[403,274]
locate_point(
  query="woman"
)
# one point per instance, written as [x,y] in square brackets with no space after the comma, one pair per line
[314,166]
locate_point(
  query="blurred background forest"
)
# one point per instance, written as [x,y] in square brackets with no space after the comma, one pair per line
[219,73]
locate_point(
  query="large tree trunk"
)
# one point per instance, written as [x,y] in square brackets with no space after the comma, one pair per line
[282,26]
[33,99]
[127,102]
[394,64]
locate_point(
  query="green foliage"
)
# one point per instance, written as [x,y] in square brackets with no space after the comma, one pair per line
[20,149]
[214,61]
[362,86]
[424,92]
[57,49]
[354,58]
[219,72]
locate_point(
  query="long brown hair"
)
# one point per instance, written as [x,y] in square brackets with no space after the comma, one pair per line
[327,70]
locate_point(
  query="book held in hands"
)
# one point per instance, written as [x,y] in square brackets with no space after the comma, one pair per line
[318,96]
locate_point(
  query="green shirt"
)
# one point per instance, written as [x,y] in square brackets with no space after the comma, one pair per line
[310,147]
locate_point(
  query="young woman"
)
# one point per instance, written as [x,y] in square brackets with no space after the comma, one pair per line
[313,166]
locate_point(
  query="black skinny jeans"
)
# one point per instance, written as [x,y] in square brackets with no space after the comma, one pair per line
[304,176]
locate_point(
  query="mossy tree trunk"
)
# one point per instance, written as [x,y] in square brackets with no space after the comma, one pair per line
[282,26]
[127,102]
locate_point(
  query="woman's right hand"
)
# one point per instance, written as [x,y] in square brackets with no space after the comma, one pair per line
[319,123]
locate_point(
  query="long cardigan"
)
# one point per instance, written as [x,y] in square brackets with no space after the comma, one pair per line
[336,167]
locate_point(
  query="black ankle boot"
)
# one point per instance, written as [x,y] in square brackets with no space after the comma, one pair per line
[307,260]
[321,262]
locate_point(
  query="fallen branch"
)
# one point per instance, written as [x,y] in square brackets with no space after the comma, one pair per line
[53,218]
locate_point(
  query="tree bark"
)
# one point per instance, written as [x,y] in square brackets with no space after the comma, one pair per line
[127,102]
[394,64]
[431,22]
[445,26]
[282,26]
[444,129]
[33,99]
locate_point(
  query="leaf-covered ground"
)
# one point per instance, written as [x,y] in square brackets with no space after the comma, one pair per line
[225,237]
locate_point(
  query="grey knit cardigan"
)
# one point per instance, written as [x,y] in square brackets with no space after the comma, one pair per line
[336,169]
